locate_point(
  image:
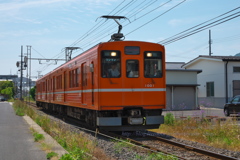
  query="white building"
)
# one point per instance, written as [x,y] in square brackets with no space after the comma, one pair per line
[219,80]
[181,87]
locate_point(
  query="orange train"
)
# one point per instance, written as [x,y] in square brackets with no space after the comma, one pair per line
[117,86]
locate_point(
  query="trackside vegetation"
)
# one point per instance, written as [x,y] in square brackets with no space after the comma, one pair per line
[121,146]
[78,145]
[219,134]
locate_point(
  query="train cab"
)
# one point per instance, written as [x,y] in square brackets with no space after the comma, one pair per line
[132,85]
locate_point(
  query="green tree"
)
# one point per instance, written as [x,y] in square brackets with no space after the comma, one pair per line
[7,88]
[32,92]
[5,84]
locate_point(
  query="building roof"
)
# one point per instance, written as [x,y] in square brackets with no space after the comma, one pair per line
[174,65]
[215,58]
[177,67]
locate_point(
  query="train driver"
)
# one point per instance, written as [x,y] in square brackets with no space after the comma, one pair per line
[113,71]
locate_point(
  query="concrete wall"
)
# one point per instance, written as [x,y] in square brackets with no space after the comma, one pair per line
[181,77]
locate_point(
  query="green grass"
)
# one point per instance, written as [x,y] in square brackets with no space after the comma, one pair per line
[19,108]
[51,155]
[169,119]
[121,146]
[38,137]
[219,134]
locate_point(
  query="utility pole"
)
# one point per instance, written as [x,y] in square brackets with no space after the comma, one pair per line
[21,73]
[22,66]
[210,43]
[29,69]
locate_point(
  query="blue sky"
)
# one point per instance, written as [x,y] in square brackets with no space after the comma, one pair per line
[50,25]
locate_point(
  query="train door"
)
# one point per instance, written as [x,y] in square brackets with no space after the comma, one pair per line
[92,81]
[65,85]
[46,91]
[84,83]
[53,88]
[132,83]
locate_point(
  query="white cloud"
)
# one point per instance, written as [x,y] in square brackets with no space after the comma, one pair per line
[16,5]
[175,22]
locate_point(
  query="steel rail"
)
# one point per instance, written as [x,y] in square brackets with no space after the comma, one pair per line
[139,144]
[195,149]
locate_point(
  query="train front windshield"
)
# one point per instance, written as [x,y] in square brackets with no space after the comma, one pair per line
[152,64]
[111,64]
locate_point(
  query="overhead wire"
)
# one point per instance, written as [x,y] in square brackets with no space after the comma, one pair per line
[104,36]
[91,36]
[229,38]
[94,28]
[156,17]
[200,28]
[108,29]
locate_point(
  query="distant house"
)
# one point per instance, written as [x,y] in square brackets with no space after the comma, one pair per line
[181,87]
[219,80]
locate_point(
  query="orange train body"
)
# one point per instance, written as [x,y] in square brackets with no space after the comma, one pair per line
[117,85]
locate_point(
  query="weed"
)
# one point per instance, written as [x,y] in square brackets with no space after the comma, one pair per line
[46,147]
[224,135]
[66,157]
[20,112]
[76,144]
[19,108]
[63,143]
[38,137]
[156,156]
[51,155]
[119,145]
[169,119]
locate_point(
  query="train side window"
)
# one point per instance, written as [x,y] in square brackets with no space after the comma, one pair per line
[111,64]
[132,68]
[152,64]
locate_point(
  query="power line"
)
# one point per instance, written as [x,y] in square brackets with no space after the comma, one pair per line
[209,26]
[190,32]
[157,16]
[104,36]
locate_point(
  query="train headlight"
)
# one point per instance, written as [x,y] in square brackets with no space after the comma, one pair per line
[113,54]
[149,54]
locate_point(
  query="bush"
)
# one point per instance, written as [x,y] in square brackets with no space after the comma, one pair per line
[169,119]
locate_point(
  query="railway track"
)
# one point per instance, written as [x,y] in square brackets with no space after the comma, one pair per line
[191,148]
[152,143]
[169,147]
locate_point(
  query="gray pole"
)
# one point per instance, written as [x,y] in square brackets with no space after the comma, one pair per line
[21,70]
[29,69]
[210,43]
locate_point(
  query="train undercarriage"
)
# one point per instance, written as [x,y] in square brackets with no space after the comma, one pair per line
[128,119]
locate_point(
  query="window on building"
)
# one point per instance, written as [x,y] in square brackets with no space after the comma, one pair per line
[210,89]
[236,69]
